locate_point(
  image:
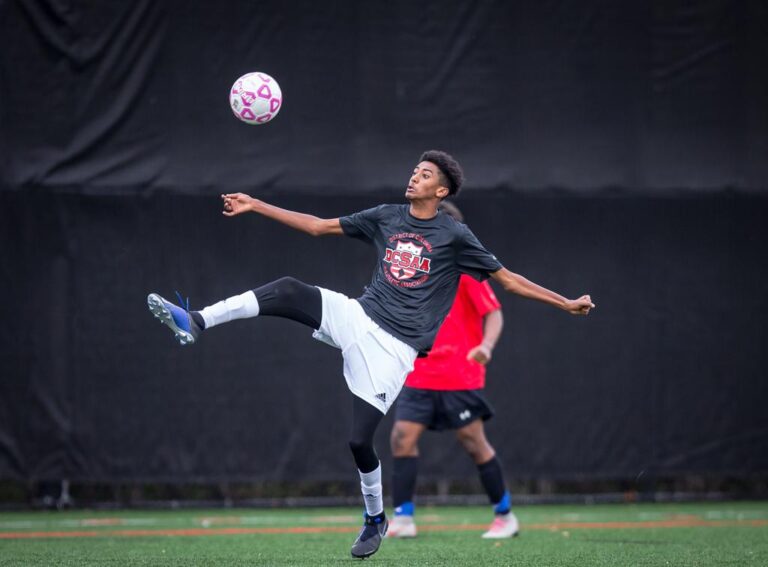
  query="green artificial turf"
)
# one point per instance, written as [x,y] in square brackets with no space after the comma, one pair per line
[699,535]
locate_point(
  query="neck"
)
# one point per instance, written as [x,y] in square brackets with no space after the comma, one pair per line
[424,209]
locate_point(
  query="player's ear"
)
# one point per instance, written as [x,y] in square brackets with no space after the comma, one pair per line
[442,192]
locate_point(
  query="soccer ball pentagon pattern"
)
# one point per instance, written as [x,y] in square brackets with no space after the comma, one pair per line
[255,98]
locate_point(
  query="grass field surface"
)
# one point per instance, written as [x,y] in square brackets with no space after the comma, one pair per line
[698,535]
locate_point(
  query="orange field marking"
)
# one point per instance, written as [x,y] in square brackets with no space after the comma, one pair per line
[680,523]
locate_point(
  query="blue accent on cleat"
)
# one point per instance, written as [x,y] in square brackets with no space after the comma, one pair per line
[174,317]
[405,509]
[369,540]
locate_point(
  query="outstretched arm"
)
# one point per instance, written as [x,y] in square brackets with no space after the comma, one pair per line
[516,283]
[493,322]
[238,203]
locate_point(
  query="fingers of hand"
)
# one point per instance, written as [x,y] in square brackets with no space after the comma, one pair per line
[479,355]
[234,202]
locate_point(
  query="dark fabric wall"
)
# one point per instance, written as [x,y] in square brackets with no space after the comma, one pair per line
[611,148]
[581,95]
[666,376]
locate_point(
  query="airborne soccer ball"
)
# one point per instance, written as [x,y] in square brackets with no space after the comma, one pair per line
[255,98]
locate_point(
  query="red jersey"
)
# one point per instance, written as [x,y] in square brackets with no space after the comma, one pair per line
[446,367]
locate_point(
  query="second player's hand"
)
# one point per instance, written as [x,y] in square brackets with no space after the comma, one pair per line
[236,203]
[480,354]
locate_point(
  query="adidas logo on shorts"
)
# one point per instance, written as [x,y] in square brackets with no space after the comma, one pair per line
[382,397]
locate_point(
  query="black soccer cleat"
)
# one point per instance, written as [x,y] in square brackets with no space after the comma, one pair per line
[369,540]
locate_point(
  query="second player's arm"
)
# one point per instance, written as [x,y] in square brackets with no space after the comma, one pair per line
[238,203]
[515,283]
[493,323]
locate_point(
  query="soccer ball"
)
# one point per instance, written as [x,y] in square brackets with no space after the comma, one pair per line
[255,98]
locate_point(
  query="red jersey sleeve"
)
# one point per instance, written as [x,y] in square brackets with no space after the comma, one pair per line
[480,295]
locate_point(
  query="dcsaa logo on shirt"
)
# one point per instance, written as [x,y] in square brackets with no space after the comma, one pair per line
[405,260]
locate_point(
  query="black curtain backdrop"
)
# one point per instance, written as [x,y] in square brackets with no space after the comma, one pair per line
[132,95]
[611,148]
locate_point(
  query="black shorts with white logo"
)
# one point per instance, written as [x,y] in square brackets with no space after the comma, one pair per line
[442,409]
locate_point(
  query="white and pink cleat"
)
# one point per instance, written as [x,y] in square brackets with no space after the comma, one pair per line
[402,527]
[503,526]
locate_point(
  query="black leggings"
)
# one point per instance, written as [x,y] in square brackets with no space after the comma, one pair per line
[295,300]
[291,299]
[365,420]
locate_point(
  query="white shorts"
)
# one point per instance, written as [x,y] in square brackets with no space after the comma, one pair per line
[376,364]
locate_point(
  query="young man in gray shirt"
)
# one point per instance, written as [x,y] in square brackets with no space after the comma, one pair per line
[422,253]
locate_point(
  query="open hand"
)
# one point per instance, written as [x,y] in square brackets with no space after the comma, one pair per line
[236,203]
[480,354]
[580,306]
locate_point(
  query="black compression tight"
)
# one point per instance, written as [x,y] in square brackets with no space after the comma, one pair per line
[365,420]
[291,299]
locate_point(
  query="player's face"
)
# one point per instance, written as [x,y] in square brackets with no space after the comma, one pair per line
[425,183]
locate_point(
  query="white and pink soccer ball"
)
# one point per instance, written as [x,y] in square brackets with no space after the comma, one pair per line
[255,98]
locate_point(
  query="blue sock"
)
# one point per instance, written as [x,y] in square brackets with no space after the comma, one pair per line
[405,509]
[504,504]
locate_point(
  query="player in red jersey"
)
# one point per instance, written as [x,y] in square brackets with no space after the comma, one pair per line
[444,391]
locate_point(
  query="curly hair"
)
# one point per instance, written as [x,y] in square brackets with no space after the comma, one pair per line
[451,174]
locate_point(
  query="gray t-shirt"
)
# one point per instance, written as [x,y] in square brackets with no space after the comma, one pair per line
[420,262]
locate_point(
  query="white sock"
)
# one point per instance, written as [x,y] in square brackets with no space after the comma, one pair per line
[370,485]
[240,306]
